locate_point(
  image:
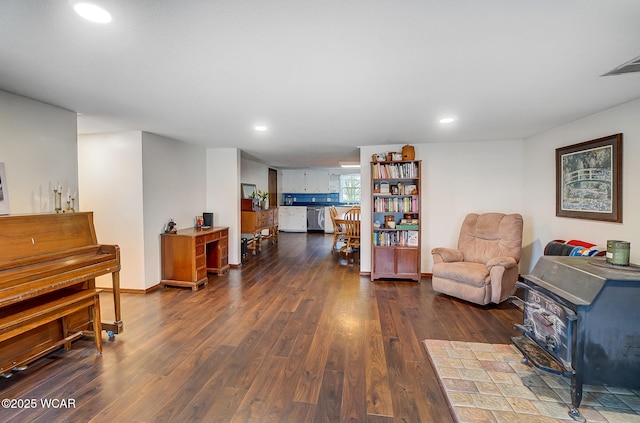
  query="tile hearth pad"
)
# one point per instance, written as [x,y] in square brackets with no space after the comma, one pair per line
[490,383]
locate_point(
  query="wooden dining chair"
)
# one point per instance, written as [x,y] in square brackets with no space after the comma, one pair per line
[352,229]
[339,234]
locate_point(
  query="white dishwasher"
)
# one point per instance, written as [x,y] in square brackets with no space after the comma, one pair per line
[292,218]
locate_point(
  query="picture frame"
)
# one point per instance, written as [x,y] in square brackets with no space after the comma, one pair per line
[589,180]
[410,189]
[248,190]
[4,193]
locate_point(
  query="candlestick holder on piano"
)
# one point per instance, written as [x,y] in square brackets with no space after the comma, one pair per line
[57,199]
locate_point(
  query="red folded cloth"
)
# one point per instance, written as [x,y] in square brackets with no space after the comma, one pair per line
[579,243]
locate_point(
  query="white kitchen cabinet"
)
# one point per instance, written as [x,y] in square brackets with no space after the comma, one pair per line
[293,181]
[292,218]
[317,182]
[306,181]
[334,183]
[328,222]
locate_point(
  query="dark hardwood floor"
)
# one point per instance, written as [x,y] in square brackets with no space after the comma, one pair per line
[294,335]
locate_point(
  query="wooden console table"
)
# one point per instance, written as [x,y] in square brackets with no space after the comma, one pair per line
[189,254]
[255,222]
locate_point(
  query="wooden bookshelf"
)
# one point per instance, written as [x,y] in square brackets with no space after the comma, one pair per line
[396,220]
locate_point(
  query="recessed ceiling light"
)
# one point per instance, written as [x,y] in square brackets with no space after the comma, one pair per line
[260,128]
[92,13]
[448,119]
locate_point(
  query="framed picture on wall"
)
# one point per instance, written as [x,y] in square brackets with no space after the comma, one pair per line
[248,190]
[4,195]
[589,179]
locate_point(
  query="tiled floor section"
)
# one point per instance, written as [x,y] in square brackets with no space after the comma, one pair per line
[489,383]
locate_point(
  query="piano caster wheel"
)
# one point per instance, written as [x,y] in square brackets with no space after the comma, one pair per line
[525,360]
[574,413]
[19,368]
[111,335]
[6,375]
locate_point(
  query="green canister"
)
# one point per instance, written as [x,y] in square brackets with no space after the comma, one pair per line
[618,252]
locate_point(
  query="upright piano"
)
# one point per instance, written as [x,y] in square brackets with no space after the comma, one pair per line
[48,297]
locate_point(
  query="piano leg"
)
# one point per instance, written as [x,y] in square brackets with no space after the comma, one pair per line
[117,326]
[97,325]
[65,331]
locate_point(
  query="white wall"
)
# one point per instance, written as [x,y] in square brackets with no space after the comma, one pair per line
[539,183]
[134,182]
[467,177]
[38,148]
[254,173]
[457,178]
[174,186]
[223,194]
[110,178]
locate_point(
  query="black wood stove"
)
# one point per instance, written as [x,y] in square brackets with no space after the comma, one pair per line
[582,320]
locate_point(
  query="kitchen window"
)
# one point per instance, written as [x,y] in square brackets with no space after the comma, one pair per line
[350,188]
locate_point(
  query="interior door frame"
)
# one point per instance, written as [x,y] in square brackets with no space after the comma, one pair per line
[273,188]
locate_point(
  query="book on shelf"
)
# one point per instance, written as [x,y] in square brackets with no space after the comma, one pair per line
[407,226]
[406,170]
[388,204]
[402,238]
[409,221]
[412,238]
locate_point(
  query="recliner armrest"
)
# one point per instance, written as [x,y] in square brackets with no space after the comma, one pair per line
[446,255]
[506,262]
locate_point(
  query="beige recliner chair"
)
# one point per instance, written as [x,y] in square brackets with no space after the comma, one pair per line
[484,269]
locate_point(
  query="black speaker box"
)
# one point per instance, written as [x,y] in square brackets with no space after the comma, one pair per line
[208,219]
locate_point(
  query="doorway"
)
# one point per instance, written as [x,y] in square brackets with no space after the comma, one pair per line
[273,188]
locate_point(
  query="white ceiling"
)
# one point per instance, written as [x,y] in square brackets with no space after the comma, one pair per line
[325,76]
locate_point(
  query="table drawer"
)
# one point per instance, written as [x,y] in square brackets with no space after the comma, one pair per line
[200,249]
[213,236]
[201,273]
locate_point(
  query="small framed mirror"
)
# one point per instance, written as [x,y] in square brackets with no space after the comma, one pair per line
[248,190]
